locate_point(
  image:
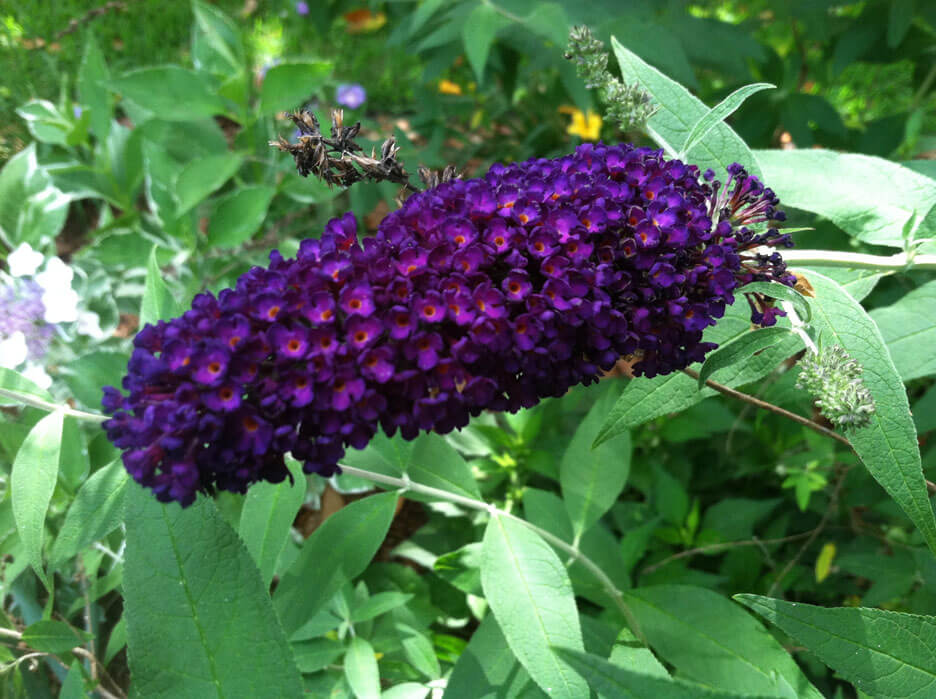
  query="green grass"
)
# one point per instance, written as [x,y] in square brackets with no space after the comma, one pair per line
[145,33]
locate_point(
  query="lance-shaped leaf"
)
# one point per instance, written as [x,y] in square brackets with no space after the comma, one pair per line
[478,34]
[97,510]
[267,516]
[740,349]
[713,642]
[592,479]
[885,654]
[719,113]
[888,445]
[158,302]
[645,399]
[32,482]
[678,112]
[782,292]
[199,619]
[908,326]
[869,198]
[338,551]
[488,669]
[531,597]
[615,682]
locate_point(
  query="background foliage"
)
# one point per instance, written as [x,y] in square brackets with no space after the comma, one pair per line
[136,150]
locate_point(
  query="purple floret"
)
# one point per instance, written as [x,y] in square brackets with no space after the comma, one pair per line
[483,294]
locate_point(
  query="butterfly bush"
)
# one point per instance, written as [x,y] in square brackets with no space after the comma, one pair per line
[479,294]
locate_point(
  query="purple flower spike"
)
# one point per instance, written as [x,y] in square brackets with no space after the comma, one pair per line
[485,294]
[350,95]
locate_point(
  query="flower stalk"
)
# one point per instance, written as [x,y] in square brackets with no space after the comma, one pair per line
[405,484]
[856,260]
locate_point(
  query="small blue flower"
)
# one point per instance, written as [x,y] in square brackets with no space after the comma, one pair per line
[302,8]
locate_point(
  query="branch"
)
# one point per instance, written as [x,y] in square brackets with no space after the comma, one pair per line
[37,402]
[827,515]
[805,422]
[406,484]
[726,545]
[857,260]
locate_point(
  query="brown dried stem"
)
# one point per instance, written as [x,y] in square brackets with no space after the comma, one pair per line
[339,160]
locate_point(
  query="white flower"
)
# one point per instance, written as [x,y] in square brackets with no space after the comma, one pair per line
[37,374]
[59,299]
[89,323]
[61,305]
[56,275]
[24,261]
[13,350]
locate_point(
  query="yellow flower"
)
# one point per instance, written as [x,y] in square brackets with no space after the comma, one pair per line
[447,87]
[585,126]
[364,21]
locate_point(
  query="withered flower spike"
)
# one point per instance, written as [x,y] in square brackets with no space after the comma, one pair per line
[432,178]
[339,159]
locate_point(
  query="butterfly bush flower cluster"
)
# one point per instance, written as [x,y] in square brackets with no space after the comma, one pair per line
[481,294]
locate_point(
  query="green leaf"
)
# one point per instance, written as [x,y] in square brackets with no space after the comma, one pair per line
[53,636]
[407,690]
[478,34]
[885,654]
[158,302]
[17,383]
[93,77]
[461,568]
[98,508]
[381,603]
[73,686]
[32,209]
[338,551]
[487,669]
[239,215]
[32,482]
[160,173]
[170,92]
[655,44]
[86,375]
[316,654]
[719,113]
[740,349]
[117,640]
[550,21]
[194,602]
[45,122]
[287,85]
[216,41]
[531,597]
[266,518]
[613,682]
[645,399]
[629,653]
[781,292]
[869,198]
[888,445]
[360,666]
[899,21]
[419,652]
[203,176]
[592,479]
[678,112]
[907,326]
[712,641]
